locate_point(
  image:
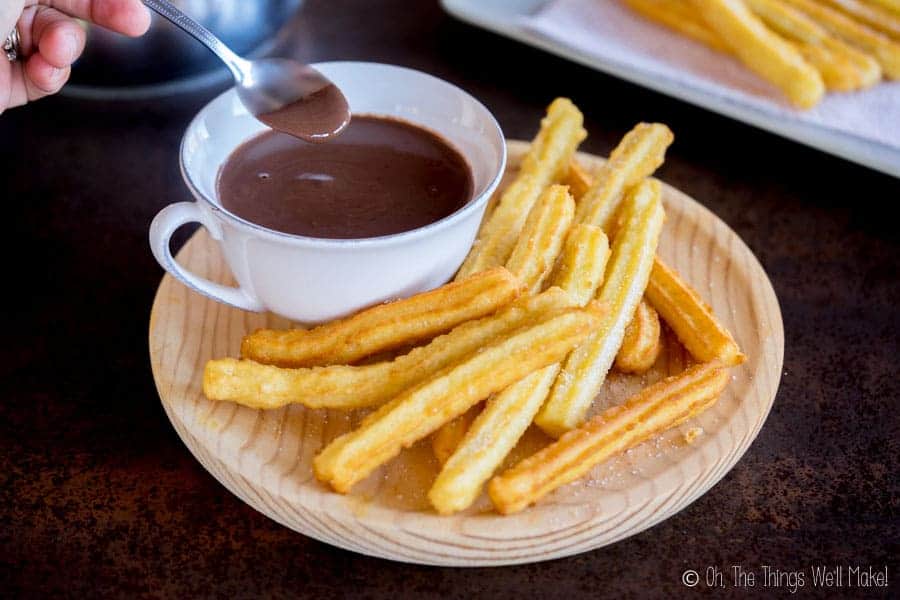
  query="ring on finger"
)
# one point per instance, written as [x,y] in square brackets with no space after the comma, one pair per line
[12,45]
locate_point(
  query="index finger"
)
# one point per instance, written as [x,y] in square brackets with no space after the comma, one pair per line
[129,17]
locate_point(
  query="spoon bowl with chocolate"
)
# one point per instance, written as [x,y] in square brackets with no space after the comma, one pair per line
[315,231]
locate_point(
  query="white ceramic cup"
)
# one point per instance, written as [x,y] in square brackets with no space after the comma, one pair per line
[313,280]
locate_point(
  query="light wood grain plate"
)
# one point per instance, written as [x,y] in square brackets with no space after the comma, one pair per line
[264,457]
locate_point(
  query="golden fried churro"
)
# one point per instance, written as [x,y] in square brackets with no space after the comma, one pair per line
[690,318]
[873,16]
[889,5]
[508,414]
[547,161]
[385,326]
[340,386]
[629,268]
[680,16]
[489,440]
[446,440]
[577,179]
[838,73]
[843,67]
[542,237]
[422,409]
[649,412]
[886,51]
[582,263]
[763,51]
[639,153]
[579,273]
[640,345]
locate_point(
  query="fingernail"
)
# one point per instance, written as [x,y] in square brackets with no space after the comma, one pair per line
[71,46]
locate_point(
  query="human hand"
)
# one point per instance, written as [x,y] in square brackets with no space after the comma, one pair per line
[51,39]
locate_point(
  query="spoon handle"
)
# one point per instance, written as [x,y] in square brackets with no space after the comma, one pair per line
[201,34]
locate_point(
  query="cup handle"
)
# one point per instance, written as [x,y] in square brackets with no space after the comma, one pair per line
[161,229]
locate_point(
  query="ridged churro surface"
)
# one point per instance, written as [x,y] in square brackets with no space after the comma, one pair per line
[346,386]
[641,343]
[546,162]
[422,409]
[542,237]
[629,268]
[651,411]
[637,156]
[690,317]
[385,326]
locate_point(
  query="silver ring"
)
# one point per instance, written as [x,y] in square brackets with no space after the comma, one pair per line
[12,46]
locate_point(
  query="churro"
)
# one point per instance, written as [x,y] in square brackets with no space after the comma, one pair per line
[582,263]
[680,16]
[489,440]
[690,318]
[641,343]
[542,237]
[870,15]
[890,5]
[629,268]
[651,411]
[546,161]
[422,409]
[886,51]
[639,153]
[577,179]
[532,258]
[385,326]
[446,439]
[843,67]
[341,386]
[479,451]
[763,51]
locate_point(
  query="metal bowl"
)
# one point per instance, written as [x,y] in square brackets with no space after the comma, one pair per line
[167,60]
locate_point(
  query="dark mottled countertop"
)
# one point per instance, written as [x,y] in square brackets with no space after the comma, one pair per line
[98,497]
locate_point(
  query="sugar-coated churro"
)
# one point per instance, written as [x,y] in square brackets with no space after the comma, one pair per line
[546,161]
[542,237]
[582,263]
[629,268]
[580,273]
[690,318]
[649,412]
[885,50]
[639,153]
[577,179]
[871,15]
[488,440]
[763,51]
[641,343]
[532,258]
[385,326]
[843,67]
[422,409]
[446,439]
[342,386]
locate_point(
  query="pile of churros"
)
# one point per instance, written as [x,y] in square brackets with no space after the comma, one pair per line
[562,285]
[804,47]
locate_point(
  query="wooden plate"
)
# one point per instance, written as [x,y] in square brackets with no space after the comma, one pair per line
[264,457]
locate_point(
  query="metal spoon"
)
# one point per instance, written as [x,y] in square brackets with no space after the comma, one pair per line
[284,94]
